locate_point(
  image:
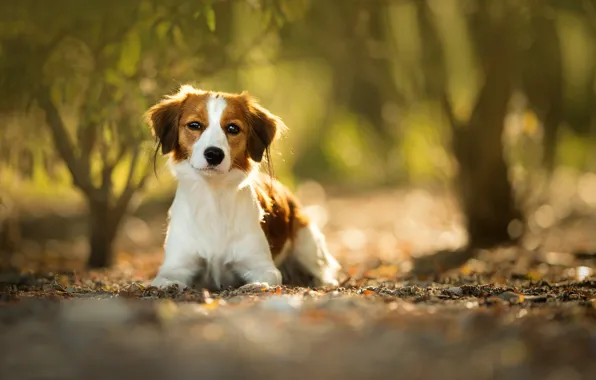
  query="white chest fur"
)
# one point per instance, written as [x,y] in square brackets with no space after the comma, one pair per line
[214,235]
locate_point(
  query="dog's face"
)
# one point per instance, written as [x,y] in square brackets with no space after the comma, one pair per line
[214,132]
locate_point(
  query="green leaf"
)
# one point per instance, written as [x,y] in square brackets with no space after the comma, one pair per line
[178,36]
[107,135]
[279,20]
[112,77]
[210,17]
[162,29]
[130,54]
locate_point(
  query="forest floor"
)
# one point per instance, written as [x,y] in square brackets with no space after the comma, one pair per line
[512,313]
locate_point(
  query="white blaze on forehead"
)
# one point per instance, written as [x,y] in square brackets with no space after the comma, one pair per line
[215,108]
[214,134]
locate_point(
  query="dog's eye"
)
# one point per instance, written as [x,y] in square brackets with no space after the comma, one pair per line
[233,129]
[195,126]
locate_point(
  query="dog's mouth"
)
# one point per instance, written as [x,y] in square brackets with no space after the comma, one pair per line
[210,170]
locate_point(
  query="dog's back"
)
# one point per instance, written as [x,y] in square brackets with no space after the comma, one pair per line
[297,246]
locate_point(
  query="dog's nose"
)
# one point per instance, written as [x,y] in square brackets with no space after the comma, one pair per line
[214,156]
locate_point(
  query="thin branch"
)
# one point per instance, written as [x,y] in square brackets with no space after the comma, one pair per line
[62,141]
[106,184]
[448,108]
[133,165]
[87,139]
[131,188]
[110,165]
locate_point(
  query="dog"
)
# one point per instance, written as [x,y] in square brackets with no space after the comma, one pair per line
[231,225]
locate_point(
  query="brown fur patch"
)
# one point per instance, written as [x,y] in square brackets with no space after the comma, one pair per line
[283,214]
[236,112]
[193,108]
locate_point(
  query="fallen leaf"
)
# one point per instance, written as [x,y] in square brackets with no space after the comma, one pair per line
[352,271]
[211,305]
[383,271]
[534,275]
[62,280]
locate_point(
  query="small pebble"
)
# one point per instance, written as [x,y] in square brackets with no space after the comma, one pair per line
[512,297]
[456,290]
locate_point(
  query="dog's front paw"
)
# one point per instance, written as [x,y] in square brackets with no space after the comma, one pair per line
[255,287]
[164,283]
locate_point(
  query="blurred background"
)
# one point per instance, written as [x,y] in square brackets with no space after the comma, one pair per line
[414,125]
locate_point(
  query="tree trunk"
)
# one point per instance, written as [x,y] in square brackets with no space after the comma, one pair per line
[486,193]
[103,227]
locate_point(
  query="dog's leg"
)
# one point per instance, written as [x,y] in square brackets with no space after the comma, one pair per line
[310,250]
[180,266]
[175,272]
[253,261]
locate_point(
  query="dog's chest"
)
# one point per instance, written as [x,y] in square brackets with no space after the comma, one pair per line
[212,222]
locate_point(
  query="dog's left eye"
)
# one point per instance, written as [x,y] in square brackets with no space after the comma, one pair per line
[195,126]
[233,129]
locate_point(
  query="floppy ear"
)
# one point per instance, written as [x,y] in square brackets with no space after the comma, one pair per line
[163,119]
[264,126]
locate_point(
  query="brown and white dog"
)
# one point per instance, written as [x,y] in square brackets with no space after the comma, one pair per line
[229,224]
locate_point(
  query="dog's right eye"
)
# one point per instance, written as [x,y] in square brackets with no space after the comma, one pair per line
[195,126]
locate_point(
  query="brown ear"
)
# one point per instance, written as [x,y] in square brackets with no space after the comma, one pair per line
[264,127]
[163,119]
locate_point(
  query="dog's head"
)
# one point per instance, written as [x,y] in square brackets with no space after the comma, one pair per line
[215,132]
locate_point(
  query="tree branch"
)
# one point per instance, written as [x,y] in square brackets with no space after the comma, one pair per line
[131,188]
[110,165]
[448,108]
[133,165]
[62,141]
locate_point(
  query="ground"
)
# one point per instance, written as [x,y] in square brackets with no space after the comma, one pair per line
[525,312]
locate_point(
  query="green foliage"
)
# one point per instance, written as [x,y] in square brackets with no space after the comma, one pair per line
[573,150]
[105,62]
[130,54]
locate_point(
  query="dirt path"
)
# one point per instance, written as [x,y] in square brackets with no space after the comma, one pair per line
[496,325]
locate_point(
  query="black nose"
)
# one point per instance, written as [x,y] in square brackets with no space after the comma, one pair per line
[214,156]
